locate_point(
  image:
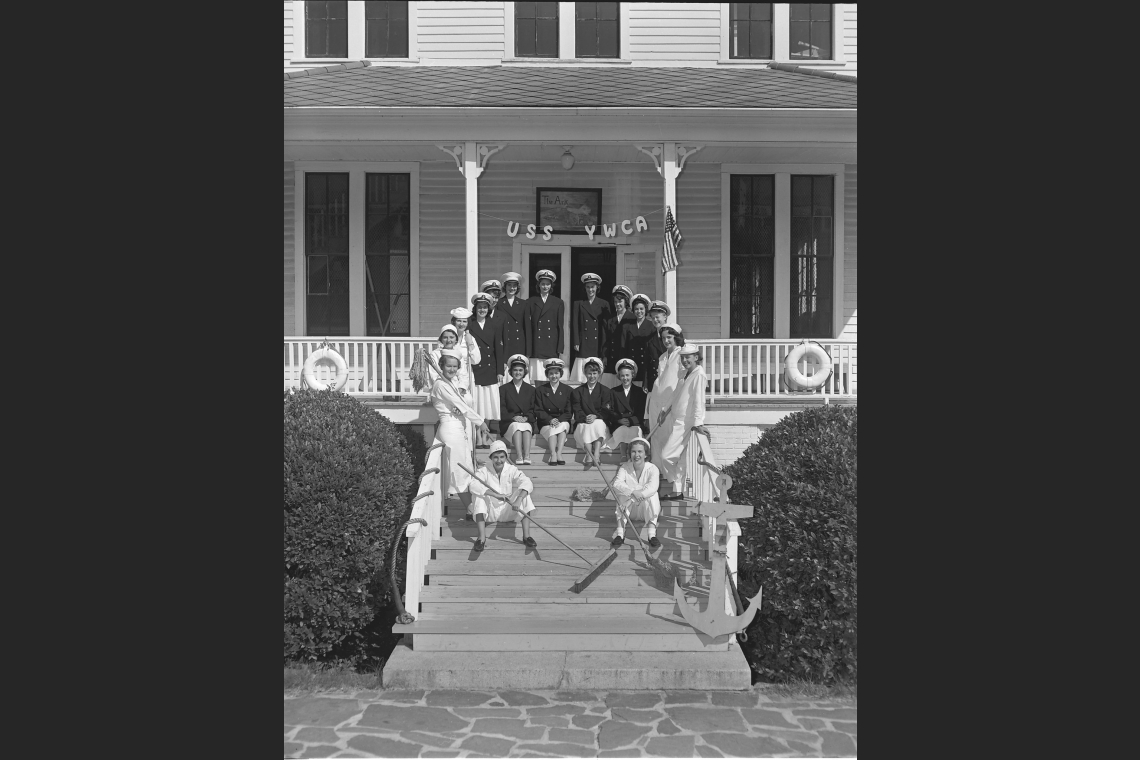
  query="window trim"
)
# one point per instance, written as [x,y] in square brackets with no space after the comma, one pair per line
[782,266]
[781,29]
[566,39]
[357,322]
[356,37]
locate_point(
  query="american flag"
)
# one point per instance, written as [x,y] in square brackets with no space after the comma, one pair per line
[672,243]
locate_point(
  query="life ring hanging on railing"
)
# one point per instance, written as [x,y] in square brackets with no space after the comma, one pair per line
[328,357]
[792,375]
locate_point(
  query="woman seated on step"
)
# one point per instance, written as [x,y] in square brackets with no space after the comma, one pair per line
[516,405]
[507,499]
[552,408]
[635,487]
[593,408]
[629,409]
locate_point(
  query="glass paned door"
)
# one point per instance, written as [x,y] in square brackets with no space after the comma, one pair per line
[326,254]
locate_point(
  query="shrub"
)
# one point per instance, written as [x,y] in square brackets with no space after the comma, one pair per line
[801,545]
[347,482]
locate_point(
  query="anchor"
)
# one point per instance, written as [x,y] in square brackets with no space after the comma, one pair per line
[714,621]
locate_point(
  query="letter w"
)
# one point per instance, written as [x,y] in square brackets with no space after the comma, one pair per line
[609,229]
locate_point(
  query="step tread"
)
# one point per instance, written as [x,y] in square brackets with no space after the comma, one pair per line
[634,622]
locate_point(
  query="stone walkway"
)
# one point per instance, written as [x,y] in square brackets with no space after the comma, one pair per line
[445,723]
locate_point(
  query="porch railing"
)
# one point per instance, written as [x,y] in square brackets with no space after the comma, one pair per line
[702,470]
[736,369]
[428,506]
[755,368]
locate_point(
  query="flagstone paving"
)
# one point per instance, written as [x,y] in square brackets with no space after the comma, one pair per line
[450,723]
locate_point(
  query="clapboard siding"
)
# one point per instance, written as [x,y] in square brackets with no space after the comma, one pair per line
[850,251]
[698,275]
[461,30]
[850,34]
[290,250]
[288,32]
[443,243]
[680,32]
[507,191]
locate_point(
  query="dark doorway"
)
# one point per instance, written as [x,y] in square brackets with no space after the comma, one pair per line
[600,261]
[551,261]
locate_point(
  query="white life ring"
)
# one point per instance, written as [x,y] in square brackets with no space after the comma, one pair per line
[329,358]
[792,374]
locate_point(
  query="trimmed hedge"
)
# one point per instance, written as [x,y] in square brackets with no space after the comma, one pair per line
[348,478]
[801,545]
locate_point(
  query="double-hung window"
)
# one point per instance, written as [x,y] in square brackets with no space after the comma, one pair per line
[340,29]
[750,30]
[326,29]
[596,30]
[536,30]
[326,254]
[813,261]
[385,29]
[387,248]
[780,32]
[809,31]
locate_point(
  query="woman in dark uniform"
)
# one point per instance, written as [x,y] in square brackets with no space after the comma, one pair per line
[586,321]
[485,374]
[545,314]
[552,409]
[593,407]
[629,410]
[511,311]
[611,334]
[659,314]
[516,405]
[636,335]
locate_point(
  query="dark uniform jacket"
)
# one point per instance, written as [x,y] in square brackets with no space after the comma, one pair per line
[586,327]
[545,319]
[599,402]
[613,347]
[514,403]
[656,347]
[516,330]
[490,343]
[632,406]
[635,342]
[551,406]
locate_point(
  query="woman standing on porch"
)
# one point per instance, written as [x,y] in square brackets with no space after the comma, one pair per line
[586,326]
[485,333]
[636,335]
[668,376]
[545,313]
[454,414]
[688,412]
[611,339]
[511,311]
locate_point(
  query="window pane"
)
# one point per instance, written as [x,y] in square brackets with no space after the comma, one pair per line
[398,38]
[398,10]
[585,11]
[607,39]
[585,38]
[822,196]
[799,11]
[376,9]
[318,275]
[376,38]
[546,10]
[607,11]
[821,11]
[316,38]
[761,38]
[760,11]
[738,11]
[740,39]
[821,39]
[799,43]
[547,45]
[524,37]
[326,213]
[338,39]
[524,10]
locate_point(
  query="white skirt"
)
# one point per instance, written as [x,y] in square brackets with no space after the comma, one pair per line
[486,398]
[515,428]
[453,433]
[497,510]
[588,432]
[623,434]
[556,428]
[536,371]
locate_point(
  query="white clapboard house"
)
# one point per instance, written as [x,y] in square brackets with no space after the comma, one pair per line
[430,146]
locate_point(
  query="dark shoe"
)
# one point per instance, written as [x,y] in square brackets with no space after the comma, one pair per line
[552,463]
[561,462]
[530,541]
[470,517]
[654,542]
[675,496]
[479,545]
[617,541]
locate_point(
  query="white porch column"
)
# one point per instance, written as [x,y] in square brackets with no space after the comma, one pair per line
[471,160]
[665,157]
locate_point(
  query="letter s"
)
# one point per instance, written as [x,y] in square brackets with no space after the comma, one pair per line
[530,231]
[546,232]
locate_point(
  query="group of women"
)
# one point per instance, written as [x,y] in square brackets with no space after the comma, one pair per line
[640,388]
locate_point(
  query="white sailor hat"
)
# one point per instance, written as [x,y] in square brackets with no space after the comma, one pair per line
[448,328]
[556,363]
[491,284]
[640,297]
[623,363]
[591,277]
[546,273]
[518,359]
[690,348]
[514,277]
[594,360]
[452,353]
[624,291]
[461,312]
[497,446]
[486,298]
[676,328]
[661,306]
[639,439]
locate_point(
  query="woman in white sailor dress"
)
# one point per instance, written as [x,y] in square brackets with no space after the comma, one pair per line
[688,412]
[587,326]
[635,487]
[509,481]
[454,414]
[668,376]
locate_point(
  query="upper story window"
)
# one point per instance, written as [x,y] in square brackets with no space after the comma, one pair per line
[326,29]
[536,29]
[809,27]
[750,30]
[386,29]
[596,30]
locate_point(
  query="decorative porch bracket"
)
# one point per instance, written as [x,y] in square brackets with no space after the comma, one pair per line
[471,159]
[664,157]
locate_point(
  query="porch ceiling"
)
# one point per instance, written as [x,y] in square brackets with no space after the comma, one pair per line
[545,87]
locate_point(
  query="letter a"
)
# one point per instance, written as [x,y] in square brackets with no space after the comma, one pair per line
[610,229]
[512,231]
[642,224]
[590,231]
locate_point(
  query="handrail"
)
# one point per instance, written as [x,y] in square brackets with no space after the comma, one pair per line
[423,527]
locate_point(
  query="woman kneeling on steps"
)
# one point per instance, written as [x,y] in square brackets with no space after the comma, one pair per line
[635,487]
[507,500]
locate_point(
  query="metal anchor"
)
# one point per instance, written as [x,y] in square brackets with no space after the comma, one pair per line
[714,621]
